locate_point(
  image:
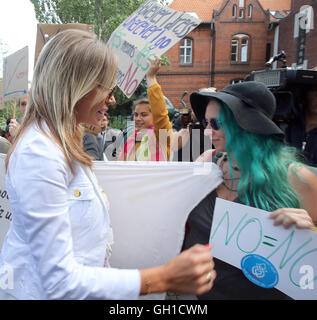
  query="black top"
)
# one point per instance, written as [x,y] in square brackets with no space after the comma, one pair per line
[230,282]
[305,142]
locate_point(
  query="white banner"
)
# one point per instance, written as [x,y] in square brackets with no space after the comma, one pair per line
[149,205]
[15,75]
[269,256]
[150,31]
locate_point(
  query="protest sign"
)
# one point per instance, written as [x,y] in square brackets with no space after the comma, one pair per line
[150,31]
[269,256]
[47,31]
[15,75]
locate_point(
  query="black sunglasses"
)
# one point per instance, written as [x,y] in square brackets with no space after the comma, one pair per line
[214,123]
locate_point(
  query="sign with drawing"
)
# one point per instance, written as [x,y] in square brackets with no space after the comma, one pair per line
[150,31]
[269,256]
[15,75]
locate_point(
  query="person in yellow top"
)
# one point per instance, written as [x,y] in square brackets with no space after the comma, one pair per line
[151,139]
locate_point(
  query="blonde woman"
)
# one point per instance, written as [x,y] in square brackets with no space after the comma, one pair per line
[57,243]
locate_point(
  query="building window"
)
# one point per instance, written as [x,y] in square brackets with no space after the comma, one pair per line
[241,13]
[234,11]
[186,51]
[240,48]
[241,3]
[234,50]
[244,50]
[250,8]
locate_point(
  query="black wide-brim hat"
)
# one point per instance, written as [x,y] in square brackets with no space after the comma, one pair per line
[252,104]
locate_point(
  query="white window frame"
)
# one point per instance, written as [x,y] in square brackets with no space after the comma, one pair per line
[235,44]
[250,10]
[244,50]
[186,44]
[234,11]
[241,51]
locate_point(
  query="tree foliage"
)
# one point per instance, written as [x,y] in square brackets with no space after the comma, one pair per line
[105,15]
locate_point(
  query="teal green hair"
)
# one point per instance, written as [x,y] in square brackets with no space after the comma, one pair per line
[263,161]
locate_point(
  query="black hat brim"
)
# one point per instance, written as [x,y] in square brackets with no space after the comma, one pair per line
[247,117]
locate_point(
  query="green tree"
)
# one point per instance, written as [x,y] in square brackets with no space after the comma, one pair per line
[105,15]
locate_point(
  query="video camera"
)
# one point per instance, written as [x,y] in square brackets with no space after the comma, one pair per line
[289,87]
[187,119]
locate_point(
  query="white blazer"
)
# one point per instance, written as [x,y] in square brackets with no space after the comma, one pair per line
[60,226]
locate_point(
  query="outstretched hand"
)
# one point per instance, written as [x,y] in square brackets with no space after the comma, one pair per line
[192,271]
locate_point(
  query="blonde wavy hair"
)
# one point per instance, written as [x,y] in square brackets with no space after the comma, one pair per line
[69,67]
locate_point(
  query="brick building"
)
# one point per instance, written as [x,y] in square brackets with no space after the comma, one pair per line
[298,36]
[234,38]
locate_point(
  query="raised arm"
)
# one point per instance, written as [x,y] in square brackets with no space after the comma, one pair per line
[158,106]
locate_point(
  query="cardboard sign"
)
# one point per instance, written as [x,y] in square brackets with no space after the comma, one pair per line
[150,31]
[47,31]
[15,75]
[269,256]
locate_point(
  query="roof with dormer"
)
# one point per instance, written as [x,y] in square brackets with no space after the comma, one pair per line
[204,8]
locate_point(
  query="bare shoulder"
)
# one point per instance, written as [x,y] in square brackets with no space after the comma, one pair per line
[302,177]
[304,183]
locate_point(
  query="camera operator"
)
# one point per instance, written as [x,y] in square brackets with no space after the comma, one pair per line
[189,141]
[302,134]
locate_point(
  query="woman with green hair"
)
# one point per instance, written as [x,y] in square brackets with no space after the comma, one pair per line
[259,170]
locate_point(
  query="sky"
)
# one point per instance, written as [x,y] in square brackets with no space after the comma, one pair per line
[18,28]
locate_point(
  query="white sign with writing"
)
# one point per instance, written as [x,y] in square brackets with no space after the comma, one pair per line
[150,31]
[269,256]
[15,75]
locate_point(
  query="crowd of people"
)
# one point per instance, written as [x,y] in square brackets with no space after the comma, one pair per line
[57,241]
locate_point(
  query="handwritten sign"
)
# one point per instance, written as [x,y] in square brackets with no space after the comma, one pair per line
[269,256]
[150,31]
[46,31]
[15,75]
[5,209]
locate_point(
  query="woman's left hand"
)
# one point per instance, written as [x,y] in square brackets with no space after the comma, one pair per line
[155,64]
[291,216]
